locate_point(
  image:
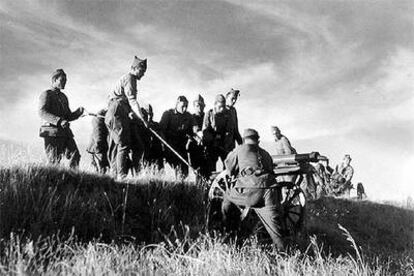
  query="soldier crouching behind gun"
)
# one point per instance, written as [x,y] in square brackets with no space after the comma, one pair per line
[55,113]
[253,168]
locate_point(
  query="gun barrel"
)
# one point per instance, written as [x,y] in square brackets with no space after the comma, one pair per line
[298,158]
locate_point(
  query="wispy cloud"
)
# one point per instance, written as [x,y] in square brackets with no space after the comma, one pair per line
[322,71]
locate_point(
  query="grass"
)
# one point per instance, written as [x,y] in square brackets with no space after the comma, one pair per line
[58,221]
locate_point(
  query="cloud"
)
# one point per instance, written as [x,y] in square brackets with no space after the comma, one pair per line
[317,69]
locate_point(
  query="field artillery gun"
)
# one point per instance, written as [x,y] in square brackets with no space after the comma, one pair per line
[292,172]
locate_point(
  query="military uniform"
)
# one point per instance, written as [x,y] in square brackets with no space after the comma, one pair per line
[98,144]
[341,180]
[236,134]
[123,132]
[217,136]
[253,167]
[58,140]
[177,129]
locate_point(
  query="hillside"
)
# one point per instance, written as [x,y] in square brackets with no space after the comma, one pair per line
[38,201]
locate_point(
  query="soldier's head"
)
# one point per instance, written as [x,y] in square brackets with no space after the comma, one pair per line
[182,104]
[232,96]
[347,159]
[59,79]
[251,137]
[219,103]
[199,105]
[276,132]
[138,67]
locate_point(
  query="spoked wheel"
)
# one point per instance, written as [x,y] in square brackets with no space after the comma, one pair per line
[293,203]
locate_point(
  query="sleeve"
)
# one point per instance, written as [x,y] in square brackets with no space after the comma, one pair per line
[44,109]
[237,135]
[232,162]
[72,115]
[164,122]
[206,120]
[130,88]
[349,174]
[267,162]
[287,148]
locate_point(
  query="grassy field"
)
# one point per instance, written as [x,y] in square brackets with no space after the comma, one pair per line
[55,220]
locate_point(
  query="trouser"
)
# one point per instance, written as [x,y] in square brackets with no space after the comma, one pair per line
[99,161]
[199,162]
[213,155]
[119,126]
[57,147]
[270,214]
[137,146]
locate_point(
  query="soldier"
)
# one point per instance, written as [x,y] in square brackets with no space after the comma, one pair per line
[231,99]
[123,108]
[217,132]
[282,143]
[361,192]
[154,152]
[98,145]
[198,115]
[178,126]
[197,151]
[342,177]
[55,129]
[253,168]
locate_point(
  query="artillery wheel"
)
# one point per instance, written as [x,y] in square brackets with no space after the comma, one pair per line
[293,204]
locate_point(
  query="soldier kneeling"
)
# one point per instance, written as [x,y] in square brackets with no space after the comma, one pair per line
[254,187]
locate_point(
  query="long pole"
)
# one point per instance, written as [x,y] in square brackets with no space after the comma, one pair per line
[172,149]
[161,139]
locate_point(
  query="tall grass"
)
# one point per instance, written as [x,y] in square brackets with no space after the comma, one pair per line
[202,256]
[58,221]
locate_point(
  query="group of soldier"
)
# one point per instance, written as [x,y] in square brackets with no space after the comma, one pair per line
[125,137]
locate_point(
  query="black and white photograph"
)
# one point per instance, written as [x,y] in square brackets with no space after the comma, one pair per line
[206,137]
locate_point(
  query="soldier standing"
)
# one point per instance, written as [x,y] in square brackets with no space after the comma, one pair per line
[55,129]
[154,152]
[231,99]
[98,144]
[178,126]
[282,143]
[252,167]
[123,108]
[217,132]
[197,151]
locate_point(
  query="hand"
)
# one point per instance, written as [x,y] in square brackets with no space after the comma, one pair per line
[80,110]
[64,124]
[132,116]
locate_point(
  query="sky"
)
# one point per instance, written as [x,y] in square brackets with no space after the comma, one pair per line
[336,76]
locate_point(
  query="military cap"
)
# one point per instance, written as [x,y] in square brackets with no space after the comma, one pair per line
[199,100]
[57,74]
[347,156]
[182,99]
[233,92]
[137,62]
[249,132]
[220,99]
